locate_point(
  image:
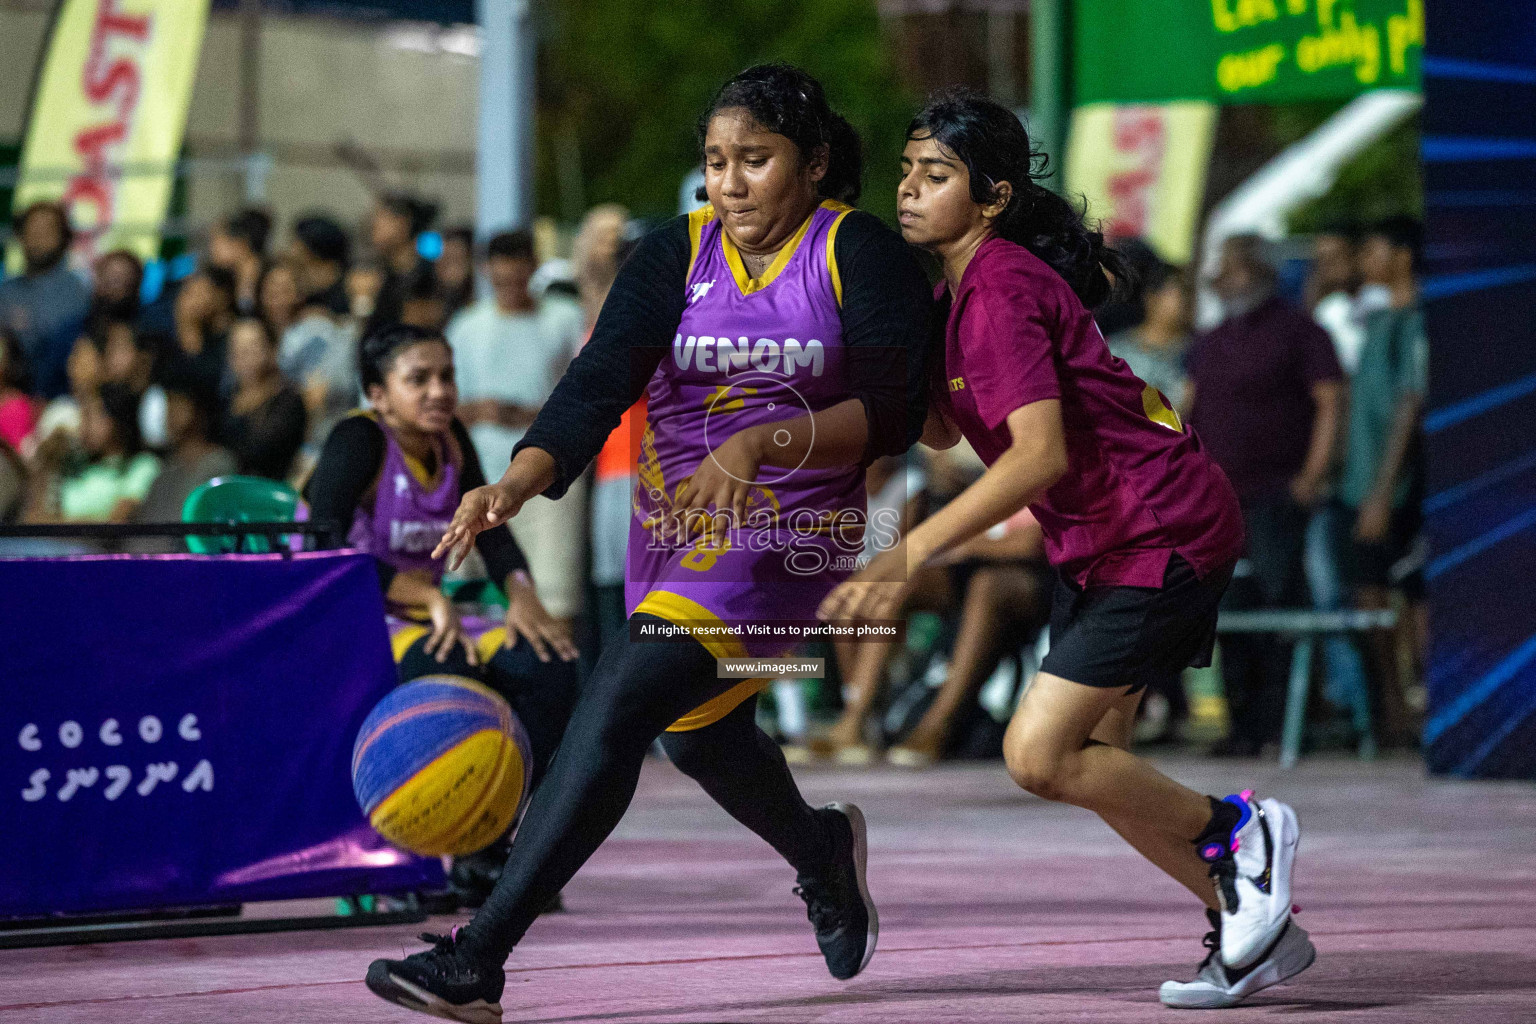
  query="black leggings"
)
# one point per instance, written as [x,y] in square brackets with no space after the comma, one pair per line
[636,691]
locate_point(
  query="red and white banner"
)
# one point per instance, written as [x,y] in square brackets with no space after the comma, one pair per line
[108,117]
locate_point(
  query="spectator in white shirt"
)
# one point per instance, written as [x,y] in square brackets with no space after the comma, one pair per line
[510,350]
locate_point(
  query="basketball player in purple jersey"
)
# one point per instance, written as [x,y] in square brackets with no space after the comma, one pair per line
[780,338]
[389,480]
[1142,526]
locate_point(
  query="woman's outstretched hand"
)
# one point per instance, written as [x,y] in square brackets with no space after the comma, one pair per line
[479,509]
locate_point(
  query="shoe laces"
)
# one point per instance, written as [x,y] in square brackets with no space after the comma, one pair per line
[1212,939]
[442,945]
[443,958]
[1212,943]
[821,904]
[1224,873]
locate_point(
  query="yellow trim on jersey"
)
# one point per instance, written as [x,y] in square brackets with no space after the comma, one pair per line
[842,210]
[1158,411]
[696,221]
[402,640]
[677,609]
[681,611]
[418,470]
[712,711]
[747,284]
[490,642]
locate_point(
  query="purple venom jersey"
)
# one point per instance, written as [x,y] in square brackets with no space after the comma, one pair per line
[748,352]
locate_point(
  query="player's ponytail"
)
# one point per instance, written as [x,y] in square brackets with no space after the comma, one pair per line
[789,102]
[845,162]
[995,147]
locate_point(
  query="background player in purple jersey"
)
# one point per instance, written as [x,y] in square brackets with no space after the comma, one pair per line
[1142,526]
[389,480]
[781,339]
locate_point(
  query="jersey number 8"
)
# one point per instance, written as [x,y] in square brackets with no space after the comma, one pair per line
[702,557]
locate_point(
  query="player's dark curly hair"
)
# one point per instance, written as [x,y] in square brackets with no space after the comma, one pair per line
[994,146]
[377,351]
[789,102]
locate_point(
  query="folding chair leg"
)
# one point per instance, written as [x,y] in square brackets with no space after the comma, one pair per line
[1296,702]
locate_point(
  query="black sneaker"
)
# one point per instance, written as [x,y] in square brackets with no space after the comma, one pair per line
[473,878]
[440,982]
[838,904]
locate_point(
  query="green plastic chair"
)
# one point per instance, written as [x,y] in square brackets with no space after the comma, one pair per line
[476,591]
[238,499]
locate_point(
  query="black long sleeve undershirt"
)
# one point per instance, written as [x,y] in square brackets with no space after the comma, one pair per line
[887,326]
[349,466]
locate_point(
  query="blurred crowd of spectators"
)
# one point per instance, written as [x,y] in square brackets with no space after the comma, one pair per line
[117,401]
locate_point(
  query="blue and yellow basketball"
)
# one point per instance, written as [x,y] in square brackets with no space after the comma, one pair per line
[441,765]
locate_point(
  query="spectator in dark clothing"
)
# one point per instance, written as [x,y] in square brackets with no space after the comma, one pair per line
[118,278]
[239,245]
[322,252]
[398,220]
[455,268]
[127,356]
[1266,398]
[1383,483]
[205,308]
[265,423]
[422,303]
[315,351]
[191,460]
[45,307]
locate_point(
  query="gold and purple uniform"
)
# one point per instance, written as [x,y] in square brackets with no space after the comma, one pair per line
[841,313]
[747,352]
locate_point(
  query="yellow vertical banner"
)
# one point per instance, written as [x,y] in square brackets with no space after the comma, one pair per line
[107,119]
[1142,167]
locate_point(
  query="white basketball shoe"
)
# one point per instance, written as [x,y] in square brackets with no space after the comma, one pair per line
[1217,986]
[1252,871]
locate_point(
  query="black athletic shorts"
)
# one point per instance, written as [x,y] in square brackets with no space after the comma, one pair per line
[1135,636]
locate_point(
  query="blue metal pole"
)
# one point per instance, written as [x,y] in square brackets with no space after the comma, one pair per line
[504,149]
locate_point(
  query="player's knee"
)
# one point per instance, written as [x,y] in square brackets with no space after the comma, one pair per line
[417,662]
[987,583]
[1034,771]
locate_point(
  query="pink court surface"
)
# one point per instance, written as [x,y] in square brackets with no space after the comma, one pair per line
[1420,896]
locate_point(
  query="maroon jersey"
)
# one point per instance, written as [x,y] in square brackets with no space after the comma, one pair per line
[1138,486]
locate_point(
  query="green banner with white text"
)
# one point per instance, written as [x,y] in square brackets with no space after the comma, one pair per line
[1243,51]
